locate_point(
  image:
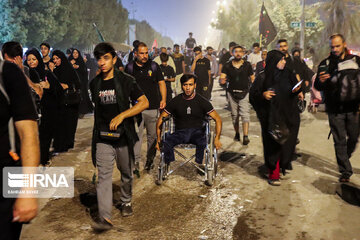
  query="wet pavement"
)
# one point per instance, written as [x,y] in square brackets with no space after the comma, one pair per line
[310,205]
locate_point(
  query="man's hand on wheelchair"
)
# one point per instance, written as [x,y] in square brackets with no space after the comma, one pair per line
[217,144]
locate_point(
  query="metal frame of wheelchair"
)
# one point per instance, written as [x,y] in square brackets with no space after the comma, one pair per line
[211,162]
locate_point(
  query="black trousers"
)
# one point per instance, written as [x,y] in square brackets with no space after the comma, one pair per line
[66,128]
[47,131]
[9,230]
[345,131]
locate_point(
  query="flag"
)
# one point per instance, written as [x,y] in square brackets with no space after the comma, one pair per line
[101,38]
[155,44]
[267,29]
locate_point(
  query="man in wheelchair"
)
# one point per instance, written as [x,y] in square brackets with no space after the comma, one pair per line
[190,111]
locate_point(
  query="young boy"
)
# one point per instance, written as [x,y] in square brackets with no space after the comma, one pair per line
[114,132]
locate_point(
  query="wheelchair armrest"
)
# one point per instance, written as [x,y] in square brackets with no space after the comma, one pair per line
[166,118]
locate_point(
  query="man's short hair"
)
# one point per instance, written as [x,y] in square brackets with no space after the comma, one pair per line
[335,35]
[281,41]
[186,77]
[45,44]
[164,57]
[141,44]
[103,48]
[197,49]
[232,44]
[209,48]
[161,48]
[256,45]
[136,43]
[237,46]
[12,49]
[190,33]
[176,45]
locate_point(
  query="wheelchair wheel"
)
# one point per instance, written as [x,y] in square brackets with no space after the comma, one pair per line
[210,162]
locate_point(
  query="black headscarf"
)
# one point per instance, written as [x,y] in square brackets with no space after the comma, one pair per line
[65,72]
[40,69]
[82,70]
[272,59]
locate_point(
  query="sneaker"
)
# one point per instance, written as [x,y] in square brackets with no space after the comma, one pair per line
[126,209]
[237,137]
[137,170]
[246,140]
[102,224]
[274,182]
[149,165]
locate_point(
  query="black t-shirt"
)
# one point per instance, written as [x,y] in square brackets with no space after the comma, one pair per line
[178,60]
[189,113]
[225,58]
[202,70]
[190,42]
[238,78]
[21,107]
[108,105]
[148,81]
[168,72]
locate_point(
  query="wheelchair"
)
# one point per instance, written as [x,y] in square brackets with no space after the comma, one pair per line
[210,155]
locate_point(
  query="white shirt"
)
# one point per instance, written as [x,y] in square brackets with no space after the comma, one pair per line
[254,58]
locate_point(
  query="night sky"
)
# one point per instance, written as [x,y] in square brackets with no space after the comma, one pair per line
[175,18]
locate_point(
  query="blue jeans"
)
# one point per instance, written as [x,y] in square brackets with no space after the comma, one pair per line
[194,136]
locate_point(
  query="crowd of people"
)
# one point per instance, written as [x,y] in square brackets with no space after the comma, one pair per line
[129,98]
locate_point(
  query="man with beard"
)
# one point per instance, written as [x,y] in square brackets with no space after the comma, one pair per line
[201,68]
[343,116]
[149,77]
[189,110]
[239,74]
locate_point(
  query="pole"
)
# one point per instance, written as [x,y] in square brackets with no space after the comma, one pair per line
[260,41]
[302,33]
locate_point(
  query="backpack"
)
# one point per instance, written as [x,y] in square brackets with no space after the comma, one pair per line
[347,80]
[11,127]
[130,67]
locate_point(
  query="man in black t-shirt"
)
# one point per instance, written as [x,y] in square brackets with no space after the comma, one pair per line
[150,79]
[226,57]
[189,110]
[16,103]
[190,42]
[169,75]
[114,134]
[179,61]
[239,75]
[202,69]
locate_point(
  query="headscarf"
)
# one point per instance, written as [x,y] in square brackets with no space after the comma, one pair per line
[65,72]
[272,59]
[82,70]
[40,69]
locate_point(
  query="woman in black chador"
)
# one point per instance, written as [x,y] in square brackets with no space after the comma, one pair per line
[49,104]
[69,112]
[79,65]
[280,80]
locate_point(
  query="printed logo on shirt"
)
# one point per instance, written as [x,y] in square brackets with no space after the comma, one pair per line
[107,96]
[150,73]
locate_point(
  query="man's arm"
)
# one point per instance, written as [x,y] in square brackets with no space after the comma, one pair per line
[183,66]
[141,105]
[209,73]
[220,69]
[158,128]
[223,78]
[162,87]
[218,126]
[25,209]
[193,66]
